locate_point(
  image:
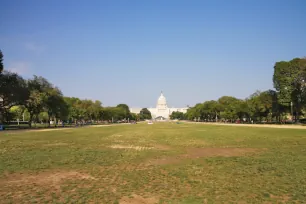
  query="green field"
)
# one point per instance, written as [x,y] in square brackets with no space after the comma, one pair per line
[160,163]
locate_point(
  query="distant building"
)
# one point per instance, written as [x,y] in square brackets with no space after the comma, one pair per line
[161,112]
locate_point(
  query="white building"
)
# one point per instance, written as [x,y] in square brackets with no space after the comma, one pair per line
[161,112]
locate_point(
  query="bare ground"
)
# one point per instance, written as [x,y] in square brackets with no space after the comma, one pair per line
[136,199]
[56,144]
[137,148]
[44,178]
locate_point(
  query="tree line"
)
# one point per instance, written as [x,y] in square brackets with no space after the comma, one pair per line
[286,102]
[38,100]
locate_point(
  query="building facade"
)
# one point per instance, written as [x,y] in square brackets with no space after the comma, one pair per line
[162,111]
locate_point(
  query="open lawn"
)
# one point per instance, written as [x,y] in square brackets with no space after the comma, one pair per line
[159,163]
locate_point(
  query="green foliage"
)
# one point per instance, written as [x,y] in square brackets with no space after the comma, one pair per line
[17,112]
[289,80]
[114,113]
[259,106]
[145,114]
[35,104]
[41,98]
[177,115]
[134,116]
[43,117]
[83,110]
[13,91]
[126,110]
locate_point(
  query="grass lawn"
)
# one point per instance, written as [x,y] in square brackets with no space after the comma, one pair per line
[159,163]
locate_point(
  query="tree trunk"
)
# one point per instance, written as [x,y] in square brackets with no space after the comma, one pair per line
[30,120]
[297,113]
[49,120]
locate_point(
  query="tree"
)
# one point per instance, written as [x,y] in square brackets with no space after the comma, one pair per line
[96,108]
[145,114]
[177,115]
[194,112]
[18,112]
[72,109]
[55,104]
[289,81]
[125,108]
[114,113]
[38,88]
[106,113]
[43,117]
[134,116]
[85,110]
[1,62]
[13,91]
[228,107]
[35,104]
[211,110]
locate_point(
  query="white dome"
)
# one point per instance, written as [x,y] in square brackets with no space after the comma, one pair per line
[162,98]
[161,102]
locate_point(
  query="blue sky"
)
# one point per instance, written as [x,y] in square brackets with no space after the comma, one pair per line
[128,51]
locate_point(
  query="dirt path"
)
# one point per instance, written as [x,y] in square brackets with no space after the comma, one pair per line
[255,125]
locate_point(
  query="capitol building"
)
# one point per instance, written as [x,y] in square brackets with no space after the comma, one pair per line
[161,112]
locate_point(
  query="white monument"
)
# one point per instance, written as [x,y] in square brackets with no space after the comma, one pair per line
[161,112]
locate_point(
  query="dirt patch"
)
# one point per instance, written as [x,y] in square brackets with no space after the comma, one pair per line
[140,148]
[116,135]
[100,125]
[162,147]
[137,148]
[194,153]
[50,129]
[46,178]
[136,199]
[282,198]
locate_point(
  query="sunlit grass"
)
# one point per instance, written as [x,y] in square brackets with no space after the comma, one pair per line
[82,165]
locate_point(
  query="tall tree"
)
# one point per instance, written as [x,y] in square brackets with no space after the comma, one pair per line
[18,112]
[1,62]
[229,107]
[38,87]
[13,91]
[195,112]
[35,104]
[177,115]
[55,104]
[289,80]
[125,108]
[145,114]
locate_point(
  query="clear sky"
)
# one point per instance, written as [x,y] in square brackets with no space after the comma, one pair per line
[128,51]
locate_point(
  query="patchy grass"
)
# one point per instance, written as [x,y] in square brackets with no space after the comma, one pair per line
[160,163]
